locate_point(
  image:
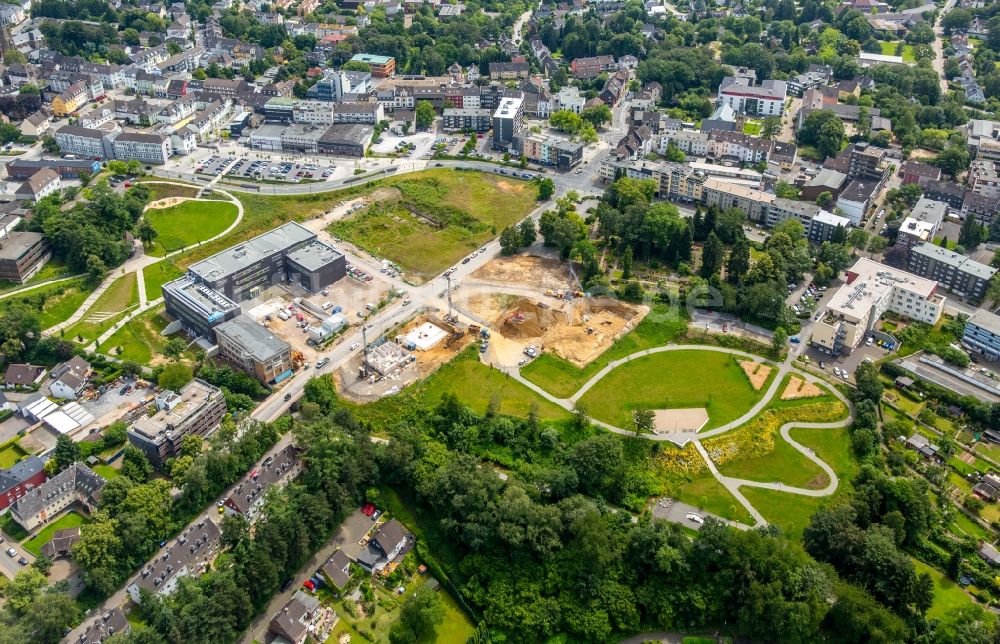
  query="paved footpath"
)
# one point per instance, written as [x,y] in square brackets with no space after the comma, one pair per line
[731,484]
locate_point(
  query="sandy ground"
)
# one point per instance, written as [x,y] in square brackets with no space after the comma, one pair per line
[798,388]
[166,203]
[578,330]
[671,421]
[756,372]
[529,270]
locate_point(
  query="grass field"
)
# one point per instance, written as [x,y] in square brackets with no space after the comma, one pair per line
[55,302]
[833,446]
[562,378]
[752,127]
[139,338]
[188,223]
[53,269]
[433,219]
[166,190]
[670,380]
[889,49]
[107,471]
[68,520]
[10,454]
[947,594]
[157,275]
[705,492]
[790,512]
[474,383]
[783,464]
[121,296]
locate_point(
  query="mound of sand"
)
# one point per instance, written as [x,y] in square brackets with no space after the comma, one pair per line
[672,421]
[528,319]
[756,372]
[799,388]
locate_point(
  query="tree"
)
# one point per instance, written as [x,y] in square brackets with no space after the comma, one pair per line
[546,188]
[135,465]
[739,261]
[23,589]
[9,133]
[771,127]
[425,114]
[174,376]
[528,232]
[12,56]
[778,340]
[786,190]
[597,115]
[174,348]
[644,420]
[953,160]
[510,241]
[712,255]
[971,234]
[355,66]
[96,268]
[877,244]
[858,238]
[627,263]
[824,199]
[67,452]
[146,232]
[869,385]
[419,617]
[675,154]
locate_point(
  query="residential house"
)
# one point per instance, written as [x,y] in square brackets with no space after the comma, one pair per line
[23,375]
[39,185]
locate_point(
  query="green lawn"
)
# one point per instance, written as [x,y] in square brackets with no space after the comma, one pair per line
[473,382]
[456,628]
[790,512]
[752,127]
[110,307]
[705,491]
[783,464]
[962,525]
[889,49]
[670,380]
[107,471]
[187,223]
[10,454]
[947,594]
[158,274]
[139,338]
[55,302]
[833,446]
[53,269]
[432,220]
[562,378]
[68,520]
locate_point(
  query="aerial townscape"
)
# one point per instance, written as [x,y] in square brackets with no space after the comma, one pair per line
[499,321]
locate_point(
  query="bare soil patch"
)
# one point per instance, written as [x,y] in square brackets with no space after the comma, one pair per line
[673,421]
[166,202]
[527,270]
[799,388]
[578,330]
[756,372]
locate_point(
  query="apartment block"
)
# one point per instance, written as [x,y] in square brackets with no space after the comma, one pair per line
[22,254]
[457,119]
[508,121]
[922,224]
[982,333]
[870,290]
[191,554]
[766,99]
[196,410]
[549,151]
[145,148]
[960,274]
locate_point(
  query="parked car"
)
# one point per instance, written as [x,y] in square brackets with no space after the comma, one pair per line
[11,553]
[354,346]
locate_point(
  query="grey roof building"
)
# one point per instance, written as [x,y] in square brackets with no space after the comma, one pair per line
[76,484]
[254,349]
[189,555]
[958,273]
[982,333]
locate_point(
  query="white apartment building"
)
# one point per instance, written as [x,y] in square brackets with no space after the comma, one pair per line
[569,98]
[766,99]
[870,291]
[146,148]
[84,142]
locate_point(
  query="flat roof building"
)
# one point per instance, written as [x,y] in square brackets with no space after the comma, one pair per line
[198,307]
[872,289]
[254,349]
[960,274]
[197,409]
[381,66]
[22,254]
[922,224]
[982,333]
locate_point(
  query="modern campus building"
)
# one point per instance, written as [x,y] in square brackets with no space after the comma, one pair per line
[982,333]
[254,349]
[243,271]
[197,409]
[381,66]
[76,484]
[872,289]
[960,274]
[198,307]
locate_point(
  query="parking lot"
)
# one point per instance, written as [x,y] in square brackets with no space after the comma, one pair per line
[247,168]
[421,143]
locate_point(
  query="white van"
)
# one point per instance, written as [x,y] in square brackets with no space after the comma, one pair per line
[696,518]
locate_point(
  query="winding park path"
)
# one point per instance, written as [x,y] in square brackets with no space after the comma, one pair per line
[137,266]
[681,439]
